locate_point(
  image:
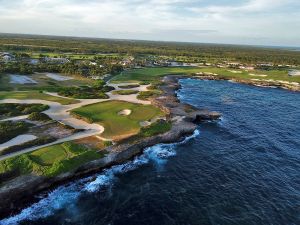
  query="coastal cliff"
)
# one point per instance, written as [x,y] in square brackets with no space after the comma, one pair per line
[18,193]
[292,86]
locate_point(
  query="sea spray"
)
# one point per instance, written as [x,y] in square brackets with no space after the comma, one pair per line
[68,195]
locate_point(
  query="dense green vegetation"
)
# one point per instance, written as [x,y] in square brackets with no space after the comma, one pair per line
[156,128]
[179,51]
[129,86]
[84,92]
[35,95]
[125,92]
[37,142]
[8,110]
[116,125]
[50,161]
[38,116]
[146,95]
[71,67]
[9,130]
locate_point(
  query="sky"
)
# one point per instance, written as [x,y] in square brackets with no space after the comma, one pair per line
[254,22]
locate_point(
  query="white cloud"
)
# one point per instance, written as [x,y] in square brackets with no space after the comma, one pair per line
[249,21]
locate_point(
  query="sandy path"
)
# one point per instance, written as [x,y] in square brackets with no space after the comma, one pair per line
[16,118]
[62,114]
[21,139]
[76,136]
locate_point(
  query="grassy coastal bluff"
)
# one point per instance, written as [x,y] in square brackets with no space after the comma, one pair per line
[67,112]
[160,112]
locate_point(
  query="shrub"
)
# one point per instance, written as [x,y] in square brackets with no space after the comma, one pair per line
[36,116]
[145,95]
[107,143]
[125,92]
[14,109]
[156,128]
[129,86]
[9,130]
[36,142]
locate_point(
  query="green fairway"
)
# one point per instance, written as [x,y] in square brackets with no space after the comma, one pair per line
[116,125]
[153,74]
[35,95]
[51,161]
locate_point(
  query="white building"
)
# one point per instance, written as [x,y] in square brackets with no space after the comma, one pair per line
[7,57]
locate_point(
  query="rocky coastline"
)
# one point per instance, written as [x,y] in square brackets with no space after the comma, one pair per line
[19,192]
[291,86]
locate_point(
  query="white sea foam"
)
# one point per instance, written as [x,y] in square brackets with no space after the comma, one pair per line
[68,195]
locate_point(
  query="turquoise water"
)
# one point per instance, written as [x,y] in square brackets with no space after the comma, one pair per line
[243,169]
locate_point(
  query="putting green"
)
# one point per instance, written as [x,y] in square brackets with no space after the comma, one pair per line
[118,126]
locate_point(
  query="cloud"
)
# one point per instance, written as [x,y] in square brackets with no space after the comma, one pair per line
[260,21]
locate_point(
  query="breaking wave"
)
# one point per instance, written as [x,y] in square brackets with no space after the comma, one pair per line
[67,196]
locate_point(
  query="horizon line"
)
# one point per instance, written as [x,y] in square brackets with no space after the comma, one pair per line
[149,40]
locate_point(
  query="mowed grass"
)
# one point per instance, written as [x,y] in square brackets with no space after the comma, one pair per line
[118,126]
[153,74]
[52,160]
[35,95]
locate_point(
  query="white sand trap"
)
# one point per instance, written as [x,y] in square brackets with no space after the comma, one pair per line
[144,123]
[21,79]
[234,71]
[125,112]
[258,75]
[58,77]
[21,139]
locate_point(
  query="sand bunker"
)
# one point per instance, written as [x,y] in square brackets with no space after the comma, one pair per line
[145,123]
[234,71]
[125,112]
[21,139]
[21,79]
[258,75]
[58,77]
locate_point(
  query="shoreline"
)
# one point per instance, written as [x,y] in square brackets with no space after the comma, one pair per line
[18,193]
[254,82]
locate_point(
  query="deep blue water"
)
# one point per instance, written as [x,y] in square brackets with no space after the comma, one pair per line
[244,169]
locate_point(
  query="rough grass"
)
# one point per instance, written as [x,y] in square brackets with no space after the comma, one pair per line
[9,130]
[51,161]
[153,74]
[156,128]
[116,126]
[35,95]
[146,95]
[125,92]
[14,109]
